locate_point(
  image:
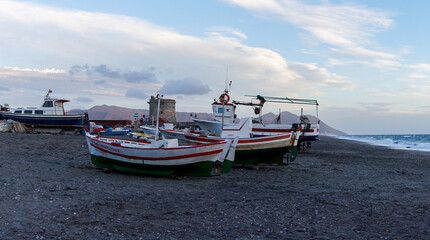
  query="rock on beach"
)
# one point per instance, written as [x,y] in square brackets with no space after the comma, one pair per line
[339,189]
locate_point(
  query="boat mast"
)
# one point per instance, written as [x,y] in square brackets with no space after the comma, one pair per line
[158,116]
[226,90]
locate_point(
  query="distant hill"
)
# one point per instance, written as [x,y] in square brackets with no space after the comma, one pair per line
[289,118]
[105,112]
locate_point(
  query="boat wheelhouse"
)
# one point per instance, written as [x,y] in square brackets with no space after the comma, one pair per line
[50,106]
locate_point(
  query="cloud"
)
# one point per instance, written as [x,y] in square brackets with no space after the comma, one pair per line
[186,86]
[25,77]
[227,31]
[84,99]
[100,82]
[125,44]
[420,73]
[136,93]
[90,70]
[106,72]
[376,106]
[32,84]
[347,28]
[423,67]
[4,88]
[311,74]
[12,70]
[122,42]
[82,36]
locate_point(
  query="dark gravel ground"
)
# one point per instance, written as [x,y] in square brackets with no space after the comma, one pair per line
[337,190]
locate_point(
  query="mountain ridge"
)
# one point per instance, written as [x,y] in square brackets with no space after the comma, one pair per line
[106,112]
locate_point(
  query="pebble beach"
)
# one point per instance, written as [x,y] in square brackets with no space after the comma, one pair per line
[339,189]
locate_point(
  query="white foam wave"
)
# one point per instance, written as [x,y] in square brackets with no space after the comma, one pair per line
[405,142]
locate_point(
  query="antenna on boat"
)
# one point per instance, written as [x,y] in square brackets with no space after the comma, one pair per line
[47,95]
[227,83]
[226,79]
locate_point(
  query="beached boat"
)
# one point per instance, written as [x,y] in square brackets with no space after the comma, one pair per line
[279,149]
[148,129]
[95,128]
[225,119]
[309,132]
[152,129]
[115,131]
[139,135]
[50,115]
[162,157]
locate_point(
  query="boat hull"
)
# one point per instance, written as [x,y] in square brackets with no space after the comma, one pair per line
[121,155]
[149,130]
[310,132]
[47,121]
[209,127]
[249,151]
[200,169]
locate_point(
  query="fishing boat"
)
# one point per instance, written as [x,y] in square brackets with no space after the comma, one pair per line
[161,157]
[139,135]
[115,131]
[151,129]
[310,131]
[280,149]
[225,118]
[50,115]
[95,127]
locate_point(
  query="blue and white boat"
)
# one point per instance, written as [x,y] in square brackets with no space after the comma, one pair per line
[50,115]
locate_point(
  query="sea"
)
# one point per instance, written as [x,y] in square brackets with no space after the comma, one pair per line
[417,142]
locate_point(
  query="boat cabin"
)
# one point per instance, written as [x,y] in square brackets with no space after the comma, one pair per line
[50,106]
[224,109]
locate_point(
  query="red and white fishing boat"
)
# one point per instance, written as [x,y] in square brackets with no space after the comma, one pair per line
[225,119]
[161,157]
[279,149]
[310,130]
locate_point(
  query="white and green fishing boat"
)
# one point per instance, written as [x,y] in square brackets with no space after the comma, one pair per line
[161,157]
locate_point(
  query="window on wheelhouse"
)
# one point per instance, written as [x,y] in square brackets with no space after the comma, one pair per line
[38,112]
[48,104]
[28,111]
[18,111]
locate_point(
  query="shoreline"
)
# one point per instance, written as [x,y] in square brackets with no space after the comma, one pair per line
[407,147]
[338,189]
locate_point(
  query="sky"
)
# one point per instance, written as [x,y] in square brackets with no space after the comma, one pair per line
[366,62]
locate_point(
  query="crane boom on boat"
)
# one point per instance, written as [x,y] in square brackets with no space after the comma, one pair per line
[284,100]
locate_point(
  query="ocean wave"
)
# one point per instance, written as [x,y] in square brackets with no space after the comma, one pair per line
[418,142]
